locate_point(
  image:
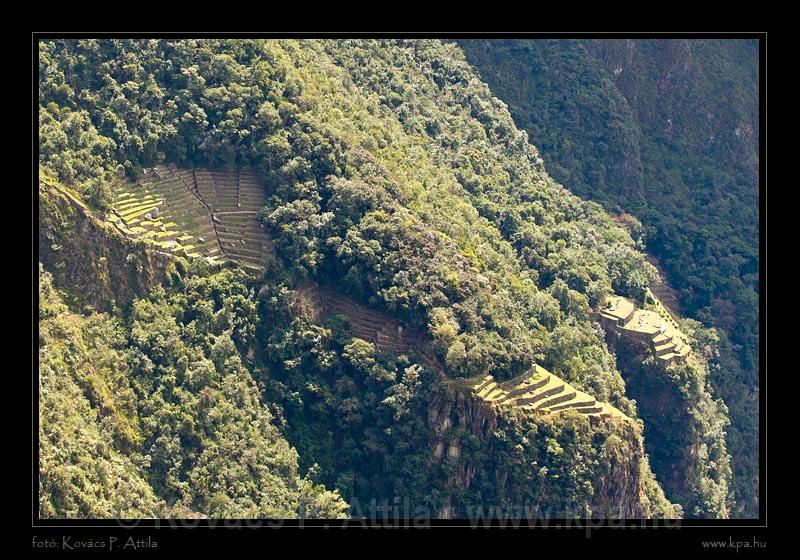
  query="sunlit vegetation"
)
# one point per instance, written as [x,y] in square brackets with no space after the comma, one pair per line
[392,174]
[156,416]
[667,130]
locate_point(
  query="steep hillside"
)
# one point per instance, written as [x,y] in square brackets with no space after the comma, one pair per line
[392,432]
[666,374]
[156,416]
[668,131]
[141,391]
[101,268]
[88,422]
[196,213]
[391,174]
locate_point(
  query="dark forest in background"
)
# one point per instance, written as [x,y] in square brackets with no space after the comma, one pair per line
[668,131]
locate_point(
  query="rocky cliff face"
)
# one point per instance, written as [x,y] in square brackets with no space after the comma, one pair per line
[663,410]
[620,482]
[467,438]
[679,118]
[453,410]
[688,450]
[103,268]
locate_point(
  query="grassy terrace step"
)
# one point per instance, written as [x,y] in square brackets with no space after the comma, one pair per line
[655,324]
[255,231]
[254,254]
[252,241]
[123,195]
[229,235]
[147,205]
[541,392]
[240,241]
[531,373]
[231,229]
[665,349]
[360,331]
[183,198]
[372,322]
[494,394]
[251,205]
[387,334]
[228,191]
[487,388]
[246,193]
[252,200]
[244,257]
[355,323]
[240,219]
[205,231]
[357,311]
[230,195]
[484,382]
[173,188]
[191,222]
[237,224]
[246,264]
[134,190]
[528,387]
[207,190]
[186,206]
[191,214]
[251,190]
[554,387]
[359,314]
[590,410]
[567,396]
[206,242]
[136,201]
[225,180]
[135,213]
[170,186]
[580,400]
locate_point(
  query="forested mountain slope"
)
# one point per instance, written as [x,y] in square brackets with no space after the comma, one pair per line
[393,174]
[667,130]
[155,416]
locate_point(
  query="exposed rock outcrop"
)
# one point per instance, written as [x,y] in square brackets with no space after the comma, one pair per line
[94,263]
[622,483]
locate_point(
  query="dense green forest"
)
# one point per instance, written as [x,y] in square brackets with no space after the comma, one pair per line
[154,415]
[666,130]
[394,174]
